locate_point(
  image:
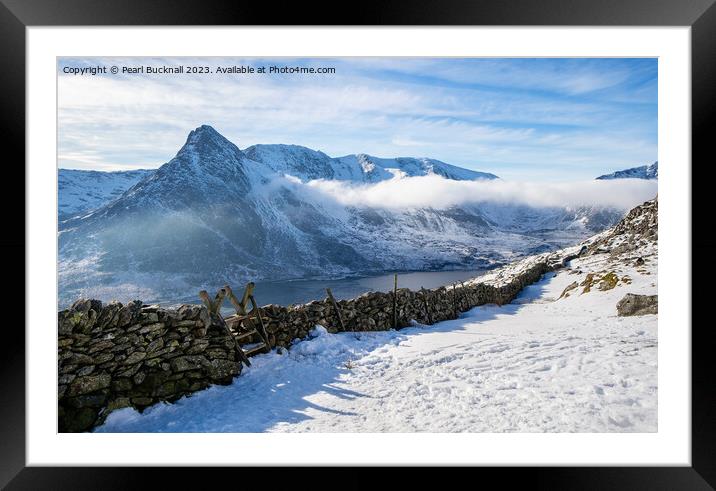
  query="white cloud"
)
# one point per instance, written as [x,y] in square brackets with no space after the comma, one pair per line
[141,121]
[437,192]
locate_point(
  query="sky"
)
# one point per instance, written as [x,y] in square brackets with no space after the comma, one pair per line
[536,119]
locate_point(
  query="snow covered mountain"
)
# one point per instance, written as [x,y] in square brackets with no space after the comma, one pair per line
[216,214]
[308,164]
[642,172]
[80,191]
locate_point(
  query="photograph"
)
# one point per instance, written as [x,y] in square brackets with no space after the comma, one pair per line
[357,244]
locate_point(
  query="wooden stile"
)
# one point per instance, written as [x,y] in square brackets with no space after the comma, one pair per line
[244,324]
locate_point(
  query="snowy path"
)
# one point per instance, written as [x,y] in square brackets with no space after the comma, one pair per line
[542,363]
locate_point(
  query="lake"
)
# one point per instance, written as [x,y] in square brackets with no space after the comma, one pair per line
[283,292]
[303,291]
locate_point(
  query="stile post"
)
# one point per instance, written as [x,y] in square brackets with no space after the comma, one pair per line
[240,309]
[262,332]
[336,308]
[395,301]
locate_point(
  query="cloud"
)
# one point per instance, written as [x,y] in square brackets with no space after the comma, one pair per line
[503,116]
[440,193]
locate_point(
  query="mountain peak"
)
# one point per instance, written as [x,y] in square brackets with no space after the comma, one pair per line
[204,133]
[205,140]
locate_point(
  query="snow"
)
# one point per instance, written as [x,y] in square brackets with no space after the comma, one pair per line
[540,364]
[308,164]
[643,172]
[81,191]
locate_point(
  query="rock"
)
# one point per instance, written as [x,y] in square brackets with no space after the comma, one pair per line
[213,354]
[108,315]
[185,312]
[565,292]
[81,359]
[182,385]
[223,369]
[102,358]
[118,403]
[130,313]
[135,357]
[205,317]
[121,347]
[68,369]
[101,345]
[91,400]
[77,321]
[66,378]
[633,304]
[153,381]
[85,370]
[151,328]
[151,363]
[81,420]
[166,389]
[198,385]
[89,383]
[184,363]
[197,347]
[142,401]
[130,371]
[608,281]
[122,385]
[85,305]
[155,345]
[159,353]
[139,377]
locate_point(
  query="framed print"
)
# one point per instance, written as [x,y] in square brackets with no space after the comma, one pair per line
[468,228]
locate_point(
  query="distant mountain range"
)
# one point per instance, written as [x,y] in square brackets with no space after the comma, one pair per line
[643,172]
[81,191]
[216,214]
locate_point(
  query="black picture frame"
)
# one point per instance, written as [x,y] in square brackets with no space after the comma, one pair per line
[17,15]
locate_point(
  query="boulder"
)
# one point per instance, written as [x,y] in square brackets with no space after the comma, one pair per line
[633,304]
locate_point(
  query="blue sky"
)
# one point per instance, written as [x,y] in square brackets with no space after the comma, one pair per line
[522,119]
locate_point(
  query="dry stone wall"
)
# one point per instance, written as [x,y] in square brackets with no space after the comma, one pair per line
[113,356]
[374,311]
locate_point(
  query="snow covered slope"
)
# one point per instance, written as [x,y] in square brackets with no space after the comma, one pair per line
[80,191]
[642,172]
[308,164]
[557,359]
